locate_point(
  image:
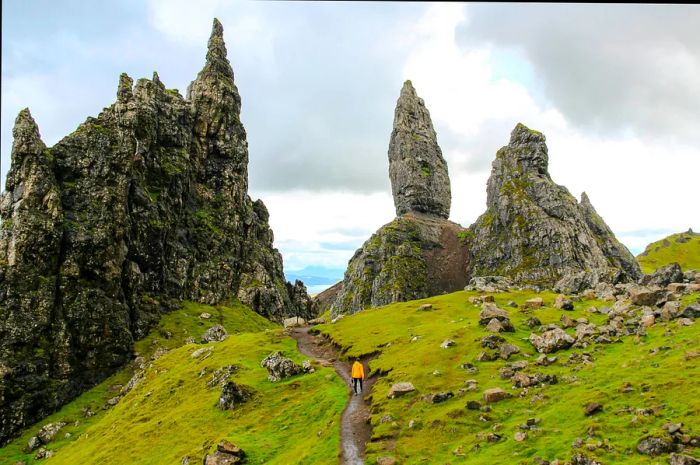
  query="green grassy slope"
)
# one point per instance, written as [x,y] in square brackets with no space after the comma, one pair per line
[682,248]
[171,414]
[666,381]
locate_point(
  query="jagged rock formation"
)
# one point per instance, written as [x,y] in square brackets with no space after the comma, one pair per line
[535,232]
[418,172]
[139,208]
[419,253]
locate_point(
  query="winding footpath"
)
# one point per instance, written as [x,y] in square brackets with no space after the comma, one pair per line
[355,430]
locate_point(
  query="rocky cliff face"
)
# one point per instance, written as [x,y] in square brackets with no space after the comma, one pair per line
[139,208]
[418,172]
[535,232]
[419,253]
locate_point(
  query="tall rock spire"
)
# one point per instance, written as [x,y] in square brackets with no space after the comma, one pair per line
[418,172]
[414,256]
[217,71]
[218,131]
[27,144]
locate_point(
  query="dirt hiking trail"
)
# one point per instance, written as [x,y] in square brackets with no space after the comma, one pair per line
[355,431]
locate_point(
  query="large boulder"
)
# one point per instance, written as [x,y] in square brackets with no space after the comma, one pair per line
[280,367]
[216,333]
[489,284]
[663,276]
[642,295]
[400,389]
[495,395]
[535,232]
[679,459]
[226,453]
[551,341]
[490,311]
[232,395]
[654,445]
[48,432]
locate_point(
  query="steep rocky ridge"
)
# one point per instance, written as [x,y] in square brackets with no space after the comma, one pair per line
[535,232]
[139,208]
[419,253]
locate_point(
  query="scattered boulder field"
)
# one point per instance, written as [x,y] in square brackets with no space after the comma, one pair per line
[583,378]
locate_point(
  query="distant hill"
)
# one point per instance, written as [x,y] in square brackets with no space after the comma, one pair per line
[682,248]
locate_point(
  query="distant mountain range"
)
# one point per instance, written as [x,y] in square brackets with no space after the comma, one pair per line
[316,275]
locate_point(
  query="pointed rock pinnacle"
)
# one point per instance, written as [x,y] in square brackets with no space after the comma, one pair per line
[216,52]
[125,89]
[418,172]
[27,144]
[216,77]
[530,148]
[26,134]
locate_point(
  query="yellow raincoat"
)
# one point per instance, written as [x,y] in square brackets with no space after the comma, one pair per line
[358,371]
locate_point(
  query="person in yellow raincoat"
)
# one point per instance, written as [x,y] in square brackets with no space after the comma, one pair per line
[358,374]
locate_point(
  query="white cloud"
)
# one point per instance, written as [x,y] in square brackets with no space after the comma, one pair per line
[324,228]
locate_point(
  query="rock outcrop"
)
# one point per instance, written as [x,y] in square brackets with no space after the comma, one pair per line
[535,232]
[139,208]
[420,253]
[413,257]
[418,172]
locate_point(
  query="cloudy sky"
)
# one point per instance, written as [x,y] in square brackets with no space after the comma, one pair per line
[613,87]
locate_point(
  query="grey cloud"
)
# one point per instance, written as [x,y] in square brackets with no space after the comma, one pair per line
[608,68]
[478,152]
[321,118]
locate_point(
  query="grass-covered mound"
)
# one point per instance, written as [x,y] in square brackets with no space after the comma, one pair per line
[682,248]
[172,413]
[660,368]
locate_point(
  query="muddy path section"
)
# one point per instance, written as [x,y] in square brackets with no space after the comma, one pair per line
[355,430]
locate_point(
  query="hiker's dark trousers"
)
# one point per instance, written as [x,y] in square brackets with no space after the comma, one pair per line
[355,382]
